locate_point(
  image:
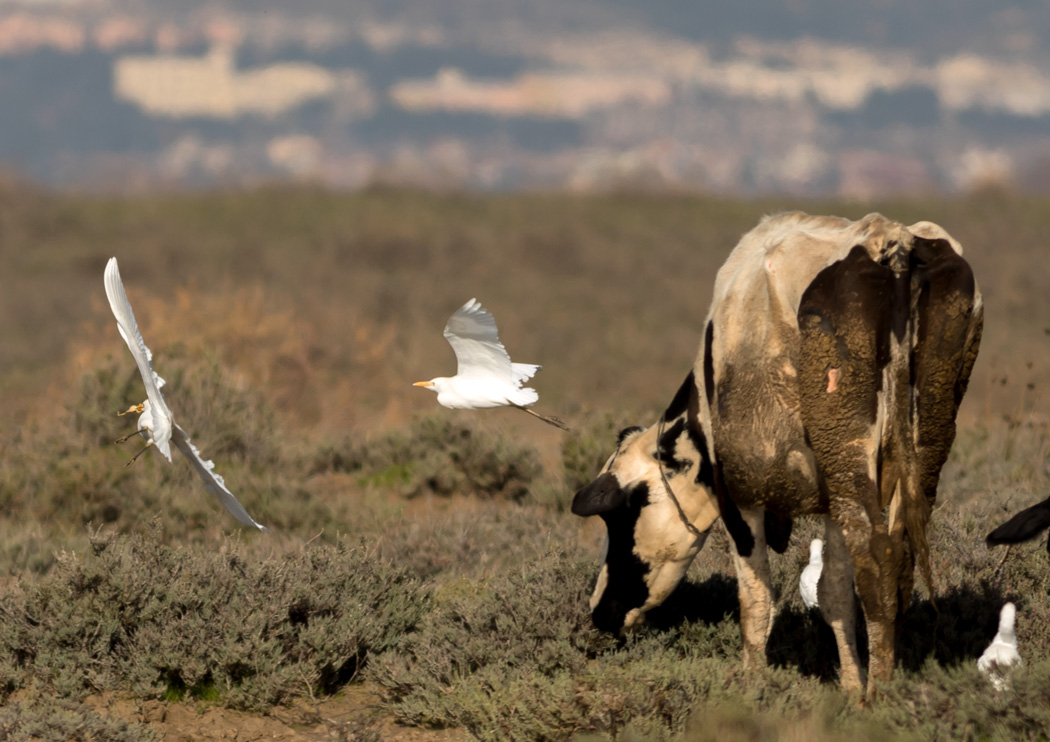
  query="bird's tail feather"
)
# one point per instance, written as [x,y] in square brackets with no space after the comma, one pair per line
[525,396]
[522,372]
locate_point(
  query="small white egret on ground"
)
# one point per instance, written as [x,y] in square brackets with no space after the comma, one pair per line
[1002,653]
[485,376]
[810,577]
[155,423]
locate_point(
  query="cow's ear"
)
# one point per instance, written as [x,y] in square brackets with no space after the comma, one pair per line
[626,432]
[600,496]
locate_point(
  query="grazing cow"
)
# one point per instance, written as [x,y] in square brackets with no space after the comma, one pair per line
[1024,526]
[832,364]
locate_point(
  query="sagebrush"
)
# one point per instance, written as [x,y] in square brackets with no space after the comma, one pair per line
[430,553]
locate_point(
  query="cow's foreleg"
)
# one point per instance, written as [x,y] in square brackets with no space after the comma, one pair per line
[755,589]
[835,594]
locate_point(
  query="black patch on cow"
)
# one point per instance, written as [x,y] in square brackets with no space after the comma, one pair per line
[625,587]
[778,531]
[731,517]
[600,496]
[626,432]
[680,403]
[706,473]
[709,361]
[665,448]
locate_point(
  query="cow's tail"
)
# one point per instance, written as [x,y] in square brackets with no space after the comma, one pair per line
[916,521]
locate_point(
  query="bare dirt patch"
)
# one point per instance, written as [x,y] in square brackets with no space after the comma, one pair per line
[354,714]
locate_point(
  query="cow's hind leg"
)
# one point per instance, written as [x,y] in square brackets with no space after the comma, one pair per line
[755,589]
[835,595]
[847,334]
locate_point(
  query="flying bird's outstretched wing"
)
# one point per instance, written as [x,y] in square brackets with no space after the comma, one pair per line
[212,481]
[471,331]
[129,330]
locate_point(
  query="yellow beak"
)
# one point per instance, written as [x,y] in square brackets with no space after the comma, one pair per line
[427,384]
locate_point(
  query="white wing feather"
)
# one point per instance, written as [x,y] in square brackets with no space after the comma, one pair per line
[471,331]
[129,330]
[213,482]
[522,372]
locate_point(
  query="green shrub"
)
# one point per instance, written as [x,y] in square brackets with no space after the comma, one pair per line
[438,457]
[587,447]
[528,621]
[53,720]
[170,623]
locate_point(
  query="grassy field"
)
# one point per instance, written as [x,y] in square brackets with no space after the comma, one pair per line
[426,557]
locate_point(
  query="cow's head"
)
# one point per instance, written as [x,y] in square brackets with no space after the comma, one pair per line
[651,540]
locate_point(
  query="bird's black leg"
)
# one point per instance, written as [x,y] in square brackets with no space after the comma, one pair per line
[551,420]
[128,437]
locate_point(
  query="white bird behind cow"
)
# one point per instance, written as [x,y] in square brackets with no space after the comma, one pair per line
[1001,655]
[485,376]
[155,423]
[810,577]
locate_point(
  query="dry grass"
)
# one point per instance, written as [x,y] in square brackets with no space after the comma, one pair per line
[290,324]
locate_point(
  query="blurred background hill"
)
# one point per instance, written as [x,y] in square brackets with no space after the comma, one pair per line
[810,97]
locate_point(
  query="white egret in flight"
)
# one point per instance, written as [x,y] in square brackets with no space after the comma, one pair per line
[485,376]
[155,423]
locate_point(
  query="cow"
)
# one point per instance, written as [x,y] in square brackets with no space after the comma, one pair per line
[831,367]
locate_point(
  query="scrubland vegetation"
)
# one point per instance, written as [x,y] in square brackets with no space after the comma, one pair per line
[428,554]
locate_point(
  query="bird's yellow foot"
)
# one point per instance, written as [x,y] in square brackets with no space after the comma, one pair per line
[128,411]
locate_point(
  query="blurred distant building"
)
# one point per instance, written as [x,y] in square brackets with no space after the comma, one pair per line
[562,94]
[210,85]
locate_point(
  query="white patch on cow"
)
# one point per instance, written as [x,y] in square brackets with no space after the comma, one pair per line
[634,619]
[665,543]
[603,581]
[931,231]
[896,509]
[803,463]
